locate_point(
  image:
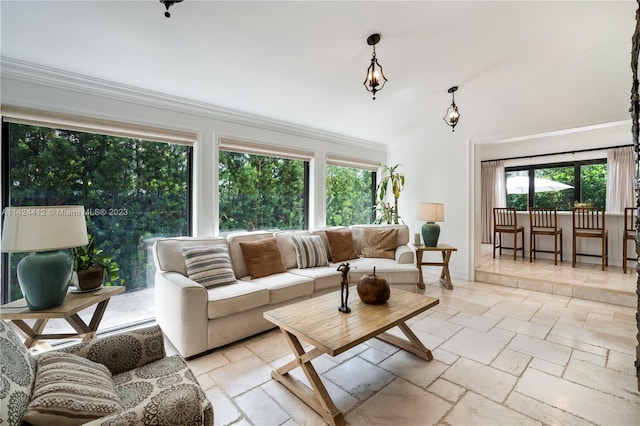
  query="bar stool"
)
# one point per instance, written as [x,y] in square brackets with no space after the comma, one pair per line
[505,222]
[628,234]
[544,222]
[588,222]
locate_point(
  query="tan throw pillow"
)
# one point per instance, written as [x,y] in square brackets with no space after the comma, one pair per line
[70,390]
[341,245]
[379,242]
[262,257]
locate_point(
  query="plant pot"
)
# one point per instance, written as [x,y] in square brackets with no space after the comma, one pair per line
[90,278]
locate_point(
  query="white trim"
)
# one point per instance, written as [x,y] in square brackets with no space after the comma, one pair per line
[234,145]
[13,69]
[349,162]
[56,120]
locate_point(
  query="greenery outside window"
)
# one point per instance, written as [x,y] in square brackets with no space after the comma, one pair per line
[350,196]
[134,191]
[262,192]
[588,181]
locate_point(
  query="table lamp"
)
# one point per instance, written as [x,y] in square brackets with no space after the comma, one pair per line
[430,213]
[46,231]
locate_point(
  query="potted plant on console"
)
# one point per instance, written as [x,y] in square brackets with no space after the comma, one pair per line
[91,266]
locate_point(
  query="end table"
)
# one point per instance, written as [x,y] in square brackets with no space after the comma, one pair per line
[445,276]
[18,311]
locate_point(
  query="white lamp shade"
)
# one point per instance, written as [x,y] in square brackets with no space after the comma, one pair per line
[43,228]
[430,212]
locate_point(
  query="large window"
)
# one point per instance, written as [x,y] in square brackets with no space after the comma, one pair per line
[559,185]
[262,192]
[134,191]
[350,195]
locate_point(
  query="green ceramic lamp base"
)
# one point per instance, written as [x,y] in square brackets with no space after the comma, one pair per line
[430,234]
[44,278]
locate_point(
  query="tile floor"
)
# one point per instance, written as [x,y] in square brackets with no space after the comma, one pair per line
[502,356]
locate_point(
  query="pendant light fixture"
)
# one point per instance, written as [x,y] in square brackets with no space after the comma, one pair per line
[168,4]
[452,116]
[375,79]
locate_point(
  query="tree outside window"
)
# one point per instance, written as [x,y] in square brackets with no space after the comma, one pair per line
[350,195]
[134,191]
[261,192]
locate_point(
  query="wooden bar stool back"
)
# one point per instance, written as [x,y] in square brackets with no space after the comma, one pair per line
[544,222]
[588,222]
[505,222]
[629,234]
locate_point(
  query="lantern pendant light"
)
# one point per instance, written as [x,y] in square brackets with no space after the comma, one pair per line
[375,79]
[453,115]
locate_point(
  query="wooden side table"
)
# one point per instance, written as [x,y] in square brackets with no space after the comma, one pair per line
[18,311]
[445,276]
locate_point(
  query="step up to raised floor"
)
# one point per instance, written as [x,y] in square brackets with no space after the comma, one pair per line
[582,282]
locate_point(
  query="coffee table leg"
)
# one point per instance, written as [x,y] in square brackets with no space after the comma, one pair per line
[317,397]
[414,345]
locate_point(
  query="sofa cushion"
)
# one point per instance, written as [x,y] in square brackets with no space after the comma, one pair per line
[237,259]
[378,242]
[243,296]
[18,374]
[393,272]
[341,245]
[358,234]
[324,277]
[209,265]
[164,392]
[167,252]
[287,249]
[70,390]
[310,251]
[285,286]
[262,257]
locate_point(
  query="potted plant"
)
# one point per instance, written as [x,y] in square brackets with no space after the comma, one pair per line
[391,176]
[91,266]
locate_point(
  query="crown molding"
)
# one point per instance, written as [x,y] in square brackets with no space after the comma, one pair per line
[17,70]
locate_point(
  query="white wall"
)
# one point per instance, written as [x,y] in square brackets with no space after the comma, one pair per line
[437,169]
[50,90]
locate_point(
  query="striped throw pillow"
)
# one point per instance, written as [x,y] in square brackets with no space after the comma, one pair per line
[310,251]
[70,390]
[209,265]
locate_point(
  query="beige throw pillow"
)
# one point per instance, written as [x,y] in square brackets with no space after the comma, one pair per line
[262,257]
[379,243]
[341,245]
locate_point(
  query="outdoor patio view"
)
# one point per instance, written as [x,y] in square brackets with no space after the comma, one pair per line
[560,185]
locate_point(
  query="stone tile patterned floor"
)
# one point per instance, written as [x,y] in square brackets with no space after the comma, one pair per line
[502,356]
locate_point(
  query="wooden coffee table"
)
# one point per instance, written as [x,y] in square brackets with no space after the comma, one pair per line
[317,321]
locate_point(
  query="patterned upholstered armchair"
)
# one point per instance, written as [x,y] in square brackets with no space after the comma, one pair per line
[124,379]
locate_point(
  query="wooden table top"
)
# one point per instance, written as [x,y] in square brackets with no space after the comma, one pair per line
[73,303]
[439,247]
[319,322]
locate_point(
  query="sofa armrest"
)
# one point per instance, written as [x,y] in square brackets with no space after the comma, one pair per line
[124,351]
[405,254]
[181,311]
[194,408]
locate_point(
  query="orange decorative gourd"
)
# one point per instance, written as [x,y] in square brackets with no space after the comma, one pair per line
[373,289]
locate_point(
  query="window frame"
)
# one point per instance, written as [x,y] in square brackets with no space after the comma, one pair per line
[5,167]
[531,168]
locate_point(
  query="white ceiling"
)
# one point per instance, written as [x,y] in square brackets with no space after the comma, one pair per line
[522,67]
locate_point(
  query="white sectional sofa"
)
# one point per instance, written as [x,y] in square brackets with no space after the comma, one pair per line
[196,318]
